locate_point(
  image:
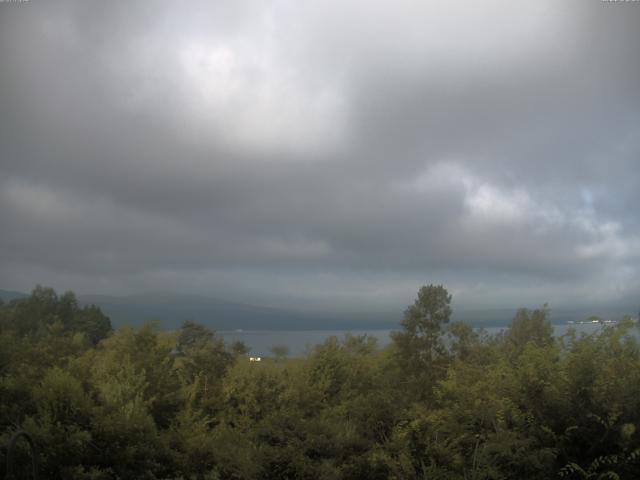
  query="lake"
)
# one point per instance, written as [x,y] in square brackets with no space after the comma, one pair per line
[260,342]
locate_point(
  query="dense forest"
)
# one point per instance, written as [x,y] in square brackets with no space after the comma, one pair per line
[442,401]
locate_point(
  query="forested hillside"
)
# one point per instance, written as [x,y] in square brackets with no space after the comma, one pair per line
[443,401]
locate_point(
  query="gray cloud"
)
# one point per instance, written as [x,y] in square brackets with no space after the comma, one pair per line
[333,154]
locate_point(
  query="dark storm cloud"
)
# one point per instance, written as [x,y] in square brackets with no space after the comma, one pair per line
[322,151]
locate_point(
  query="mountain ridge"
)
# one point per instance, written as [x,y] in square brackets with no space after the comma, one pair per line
[171,309]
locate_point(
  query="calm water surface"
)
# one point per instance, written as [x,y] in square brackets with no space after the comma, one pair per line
[299,341]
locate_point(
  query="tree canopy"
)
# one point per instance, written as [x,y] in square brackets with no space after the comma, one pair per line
[442,401]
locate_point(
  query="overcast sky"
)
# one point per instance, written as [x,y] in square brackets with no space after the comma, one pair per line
[332,154]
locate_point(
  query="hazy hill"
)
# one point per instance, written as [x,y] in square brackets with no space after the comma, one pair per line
[8,295]
[172,309]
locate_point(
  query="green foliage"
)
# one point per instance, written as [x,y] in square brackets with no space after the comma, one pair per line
[421,341]
[44,312]
[420,349]
[442,401]
[528,327]
[280,352]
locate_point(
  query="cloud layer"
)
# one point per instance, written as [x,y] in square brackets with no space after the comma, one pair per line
[332,154]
